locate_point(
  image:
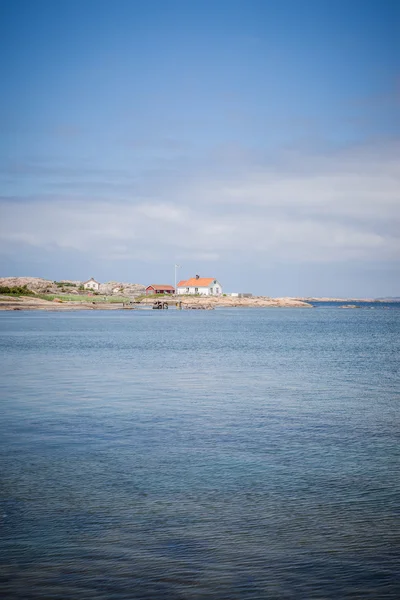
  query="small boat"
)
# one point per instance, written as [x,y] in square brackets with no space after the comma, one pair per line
[159,305]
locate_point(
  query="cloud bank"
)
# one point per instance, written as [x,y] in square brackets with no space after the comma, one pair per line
[299,207]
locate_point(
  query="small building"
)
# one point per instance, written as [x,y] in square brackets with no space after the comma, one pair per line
[158,288]
[91,284]
[204,286]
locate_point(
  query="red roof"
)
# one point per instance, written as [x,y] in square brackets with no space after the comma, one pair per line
[158,287]
[200,282]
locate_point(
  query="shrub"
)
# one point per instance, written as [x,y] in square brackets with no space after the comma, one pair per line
[18,290]
[62,284]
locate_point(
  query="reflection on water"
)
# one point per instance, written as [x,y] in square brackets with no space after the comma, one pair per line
[182,455]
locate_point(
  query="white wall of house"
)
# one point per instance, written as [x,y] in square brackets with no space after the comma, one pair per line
[91,285]
[214,289]
[203,291]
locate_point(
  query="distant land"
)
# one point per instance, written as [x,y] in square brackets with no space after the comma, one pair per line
[35,293]
[39,285]
[347,299]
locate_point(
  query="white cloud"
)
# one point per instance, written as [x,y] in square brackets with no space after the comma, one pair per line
[348,185]
[159,211]
[304,208]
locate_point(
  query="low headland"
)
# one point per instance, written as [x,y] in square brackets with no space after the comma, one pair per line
[32,293]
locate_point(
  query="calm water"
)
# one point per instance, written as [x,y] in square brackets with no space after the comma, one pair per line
[230,454]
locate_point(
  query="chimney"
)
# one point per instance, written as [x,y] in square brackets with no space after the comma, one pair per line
[197,276]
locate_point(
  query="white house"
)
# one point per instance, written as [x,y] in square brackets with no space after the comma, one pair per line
[91,284]
[205,286]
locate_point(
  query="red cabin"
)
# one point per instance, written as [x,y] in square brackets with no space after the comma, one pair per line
[159,289]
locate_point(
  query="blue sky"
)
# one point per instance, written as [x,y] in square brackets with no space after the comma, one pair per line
[253,141]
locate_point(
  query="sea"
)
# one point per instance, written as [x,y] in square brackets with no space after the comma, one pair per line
[187,455]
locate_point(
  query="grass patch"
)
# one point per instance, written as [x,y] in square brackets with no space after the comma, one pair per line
[153,297]
[82,298]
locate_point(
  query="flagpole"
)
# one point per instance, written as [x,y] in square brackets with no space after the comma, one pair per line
[176,267]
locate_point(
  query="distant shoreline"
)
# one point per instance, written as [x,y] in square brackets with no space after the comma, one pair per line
[24,303]
[35,293]
[323,299]
[9,303]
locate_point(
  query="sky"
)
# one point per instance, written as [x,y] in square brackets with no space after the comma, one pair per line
[254,141]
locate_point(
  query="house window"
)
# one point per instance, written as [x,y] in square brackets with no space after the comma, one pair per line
[187,290]
[217,290]
[196,290]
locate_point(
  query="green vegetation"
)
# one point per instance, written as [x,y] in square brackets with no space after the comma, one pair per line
[192,296]
[21,290]
[16,291]
[82,298]
[156,295]
[62,284]
[153,297]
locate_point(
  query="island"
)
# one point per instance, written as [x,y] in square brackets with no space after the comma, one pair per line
[32,293]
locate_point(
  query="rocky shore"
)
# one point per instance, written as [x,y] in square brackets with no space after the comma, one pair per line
[69,295]
[45,286]
[234,302]
[31,303]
